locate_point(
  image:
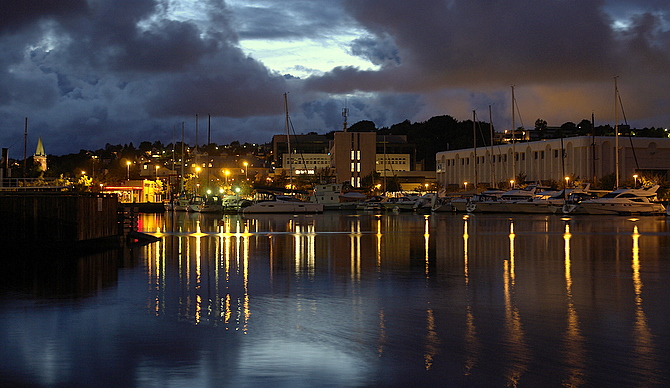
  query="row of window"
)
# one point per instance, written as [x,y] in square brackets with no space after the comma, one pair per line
[502,158]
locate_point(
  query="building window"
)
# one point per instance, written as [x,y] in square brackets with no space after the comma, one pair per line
[541,154]
[555,153]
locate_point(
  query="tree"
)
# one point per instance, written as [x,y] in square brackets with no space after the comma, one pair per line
[540,124]
[363,126]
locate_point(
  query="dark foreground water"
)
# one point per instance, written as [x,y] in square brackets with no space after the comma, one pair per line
[348,300]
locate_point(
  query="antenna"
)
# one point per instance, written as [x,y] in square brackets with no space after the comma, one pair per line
[345,113]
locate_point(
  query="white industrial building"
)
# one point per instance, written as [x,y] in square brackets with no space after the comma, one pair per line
[586,158]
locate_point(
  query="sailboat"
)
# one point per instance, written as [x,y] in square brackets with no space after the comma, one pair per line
[270,202]
[621,201]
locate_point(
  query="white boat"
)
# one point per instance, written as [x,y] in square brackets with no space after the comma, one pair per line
[333,197]
[404,203]
[624,201]
[180,203]
[549,201]
[374,203]
[283,204]
[442,204]
[234,203]
[206,205]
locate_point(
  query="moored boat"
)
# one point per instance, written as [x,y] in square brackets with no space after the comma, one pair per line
[625,201]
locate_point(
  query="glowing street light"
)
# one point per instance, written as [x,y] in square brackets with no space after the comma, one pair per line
[226,173]
[511,183]
[246,170]
[465,185]
[157,167]
[128,165]
[635,178]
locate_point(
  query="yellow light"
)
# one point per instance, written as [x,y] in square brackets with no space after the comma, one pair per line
[128,163]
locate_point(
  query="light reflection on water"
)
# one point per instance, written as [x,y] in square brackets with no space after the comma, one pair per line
[357,299]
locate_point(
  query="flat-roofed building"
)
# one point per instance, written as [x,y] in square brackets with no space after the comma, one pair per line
[586,158]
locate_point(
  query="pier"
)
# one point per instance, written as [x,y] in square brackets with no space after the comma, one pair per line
[58,218]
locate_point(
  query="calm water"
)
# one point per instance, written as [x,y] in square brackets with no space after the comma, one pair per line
[348,300]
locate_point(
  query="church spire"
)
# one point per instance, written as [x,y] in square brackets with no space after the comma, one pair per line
[40,156]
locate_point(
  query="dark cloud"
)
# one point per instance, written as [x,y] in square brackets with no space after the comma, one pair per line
[17,14]
[381,52]
[88,73]
[486,46]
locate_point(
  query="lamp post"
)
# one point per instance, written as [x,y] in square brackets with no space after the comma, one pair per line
[246,170]
[465,186]
[226,173]
[157,167]
[197,179]
[128,173]
[635,178]
[565,189]
[511,184]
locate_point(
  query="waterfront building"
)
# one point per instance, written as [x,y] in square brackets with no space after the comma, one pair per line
[137,191]
[586,158]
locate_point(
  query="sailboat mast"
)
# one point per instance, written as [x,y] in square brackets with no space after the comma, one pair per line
[288,143]
[474,139]
[493,172]
[616,132]
[513,138]
[183,160]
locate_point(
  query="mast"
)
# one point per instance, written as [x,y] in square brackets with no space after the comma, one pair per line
[345,113]
[493,172]
[593,147]
[209,141]
[384,165]
[25,141]
[616,132]
[513,139]
[181,178]
[474,138]
[288,143]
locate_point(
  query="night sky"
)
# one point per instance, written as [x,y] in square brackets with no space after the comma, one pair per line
[87,73]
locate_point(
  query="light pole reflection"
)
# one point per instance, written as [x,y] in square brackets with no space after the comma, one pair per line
[471,342]
[513,327]
[643,338]
[574,341]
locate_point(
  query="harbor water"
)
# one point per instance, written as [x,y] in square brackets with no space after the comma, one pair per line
[347,300]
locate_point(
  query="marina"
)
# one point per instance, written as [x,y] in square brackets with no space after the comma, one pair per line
[348,299]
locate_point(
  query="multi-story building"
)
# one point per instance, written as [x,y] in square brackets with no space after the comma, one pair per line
[585,158]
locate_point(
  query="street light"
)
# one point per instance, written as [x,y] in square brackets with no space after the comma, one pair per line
[157,167]
[635,177]
[465,185]
[511,184]
[226,173]
[565,189]
[128,165]
[246,170]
